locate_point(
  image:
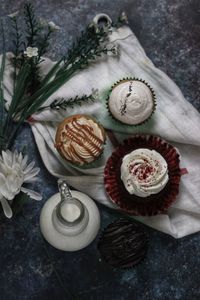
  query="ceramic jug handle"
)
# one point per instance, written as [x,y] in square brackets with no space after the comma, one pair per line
[64,190]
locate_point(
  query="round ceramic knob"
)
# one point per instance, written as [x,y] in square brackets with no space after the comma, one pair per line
[102,17]
[69,220]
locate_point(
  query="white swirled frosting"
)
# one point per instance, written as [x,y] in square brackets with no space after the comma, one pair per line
[144,172]
[131,102]
[81,140]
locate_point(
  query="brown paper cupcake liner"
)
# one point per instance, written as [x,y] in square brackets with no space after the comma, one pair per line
[124,80]
[132,204]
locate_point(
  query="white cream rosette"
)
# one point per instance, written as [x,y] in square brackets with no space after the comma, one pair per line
[144,172]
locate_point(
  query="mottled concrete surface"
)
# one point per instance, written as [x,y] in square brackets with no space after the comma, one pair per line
[169,31]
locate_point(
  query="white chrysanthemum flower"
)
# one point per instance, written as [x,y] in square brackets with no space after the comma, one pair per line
[14,172]
[31,51]
[13,14]
[53,26]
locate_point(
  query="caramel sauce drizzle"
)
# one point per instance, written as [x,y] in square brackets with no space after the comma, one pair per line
[73,153]
[82,135]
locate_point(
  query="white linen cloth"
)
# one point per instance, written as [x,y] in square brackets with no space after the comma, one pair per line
[175,120]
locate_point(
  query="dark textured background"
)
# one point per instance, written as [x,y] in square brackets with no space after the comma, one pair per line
[169,32]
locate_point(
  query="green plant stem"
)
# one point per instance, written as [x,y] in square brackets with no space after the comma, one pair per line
[66,103]
[18,93]
[12,136]
[48,91]
[3,61]
[25,102]
[16,51]
[31,23]
[44,45]
[38,98]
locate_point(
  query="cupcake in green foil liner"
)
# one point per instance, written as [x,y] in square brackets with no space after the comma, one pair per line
[131,101]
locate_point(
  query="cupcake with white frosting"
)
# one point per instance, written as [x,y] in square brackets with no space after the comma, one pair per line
[131,101]
[80,139]
[142,175]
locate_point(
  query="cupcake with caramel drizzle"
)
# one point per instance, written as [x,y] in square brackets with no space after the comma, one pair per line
[80,139]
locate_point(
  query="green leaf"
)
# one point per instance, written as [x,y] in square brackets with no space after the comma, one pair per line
[45,92]
[51,73]
[20,88]
[1,83]
[21,84]
[27,101]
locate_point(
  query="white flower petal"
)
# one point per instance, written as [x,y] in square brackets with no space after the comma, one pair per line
[31,174]
[31,51]
[13,14]
[20,157]
[24,161]
[34,195]
[29,167]
[53,26]
[31,180]
[14,183]
[15,157]
[4,169]
[7,158]
[4,190]
[6,207]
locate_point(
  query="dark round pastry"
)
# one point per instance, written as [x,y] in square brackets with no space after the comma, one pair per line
[123,244]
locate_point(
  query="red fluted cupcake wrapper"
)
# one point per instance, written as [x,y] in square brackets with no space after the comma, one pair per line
[132,204]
